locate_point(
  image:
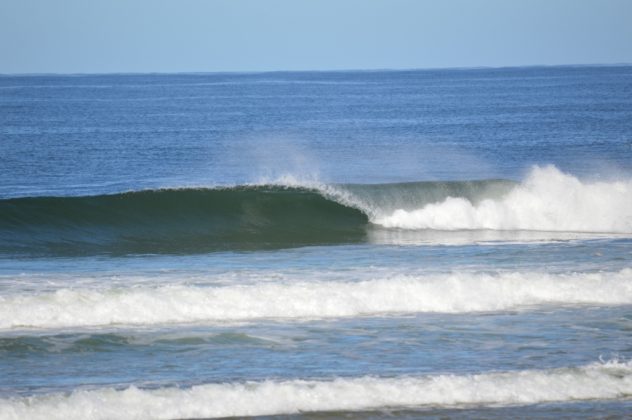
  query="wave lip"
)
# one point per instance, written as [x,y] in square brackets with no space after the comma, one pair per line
[447,293]
[611,380]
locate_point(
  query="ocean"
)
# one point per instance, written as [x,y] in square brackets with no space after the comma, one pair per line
[355,244]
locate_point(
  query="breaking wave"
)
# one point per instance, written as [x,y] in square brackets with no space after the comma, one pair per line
[548,200]
[603,381]
[280,216]
[446,293]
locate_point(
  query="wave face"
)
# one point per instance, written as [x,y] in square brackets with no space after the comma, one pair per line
[595,381]
[455,293]
[202,220]
[281,216]
[177,221]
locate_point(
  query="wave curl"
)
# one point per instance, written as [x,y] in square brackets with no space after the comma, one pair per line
[252,217]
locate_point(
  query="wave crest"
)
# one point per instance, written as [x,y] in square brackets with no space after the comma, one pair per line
[611,380]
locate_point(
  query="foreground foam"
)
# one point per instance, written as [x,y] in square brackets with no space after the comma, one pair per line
[447,293]
[548,200]
[611,380]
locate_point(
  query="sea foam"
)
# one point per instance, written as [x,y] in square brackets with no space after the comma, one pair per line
[611,380]
[547,200]
[443,293]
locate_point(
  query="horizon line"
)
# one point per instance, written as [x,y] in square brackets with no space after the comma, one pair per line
[357,70]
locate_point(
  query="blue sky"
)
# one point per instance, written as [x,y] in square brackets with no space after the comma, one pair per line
[102,36]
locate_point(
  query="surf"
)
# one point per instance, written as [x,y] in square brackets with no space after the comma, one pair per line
[547,200]
[258,217]
[596,381]
[296,300]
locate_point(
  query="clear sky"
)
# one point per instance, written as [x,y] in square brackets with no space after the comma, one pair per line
[102,36]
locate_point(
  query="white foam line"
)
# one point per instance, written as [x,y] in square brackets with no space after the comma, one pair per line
[611,380]
[458,292]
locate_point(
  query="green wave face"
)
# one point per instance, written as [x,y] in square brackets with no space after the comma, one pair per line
[204,220]
[176,221]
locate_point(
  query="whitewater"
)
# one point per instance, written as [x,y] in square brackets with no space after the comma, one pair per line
[296,300]
[547,200]
[595,381]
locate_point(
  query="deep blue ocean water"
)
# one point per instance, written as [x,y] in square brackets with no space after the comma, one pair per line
[439,243]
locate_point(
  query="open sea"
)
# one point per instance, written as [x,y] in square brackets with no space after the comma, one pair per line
[317,245]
